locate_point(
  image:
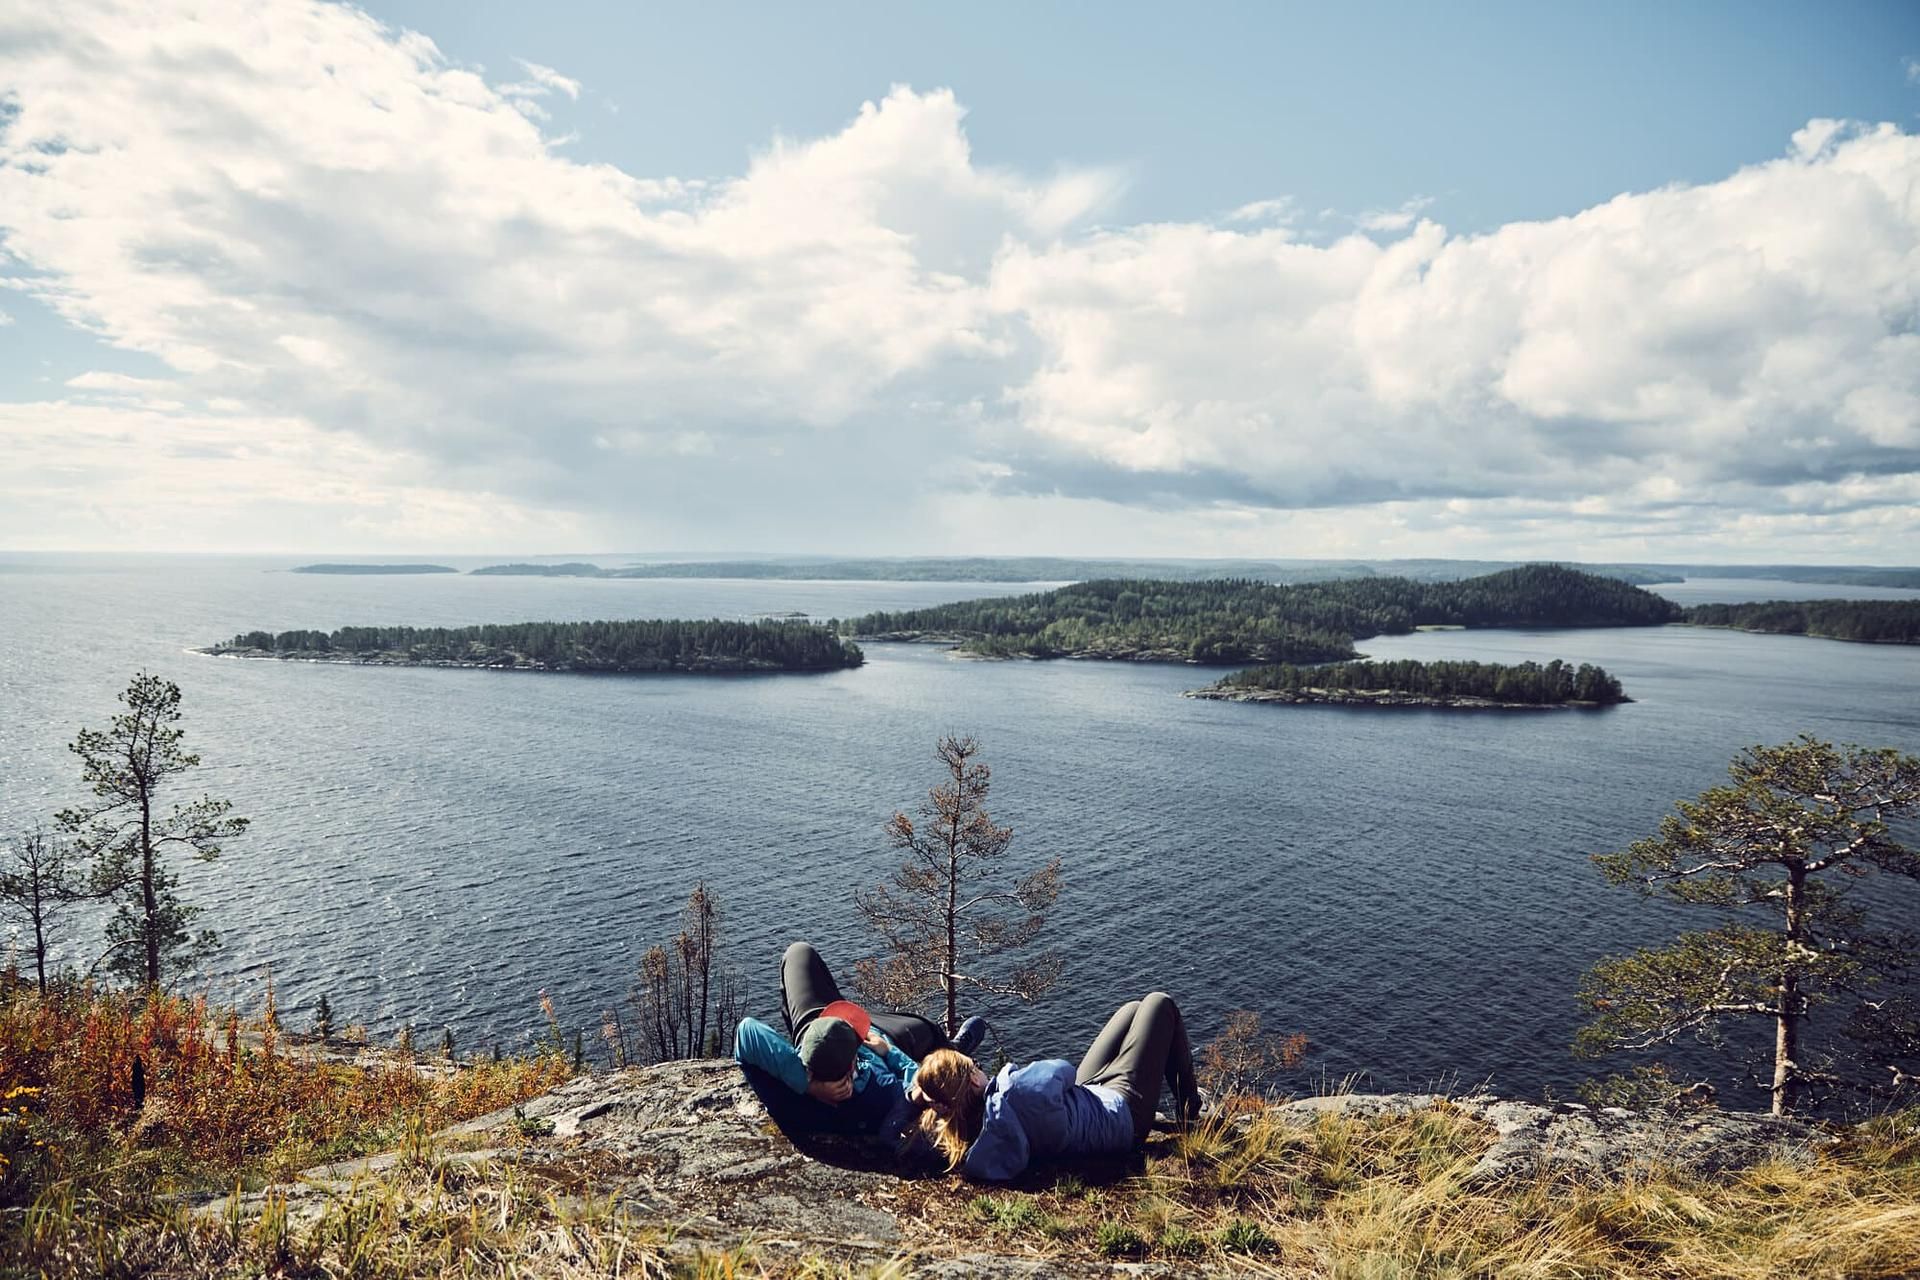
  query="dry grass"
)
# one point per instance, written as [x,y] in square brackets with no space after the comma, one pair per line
[1362,1199]
[1371,1199]
[1359,1198]
[429,1218]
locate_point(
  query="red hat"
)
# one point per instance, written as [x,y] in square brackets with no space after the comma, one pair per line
[851,1014]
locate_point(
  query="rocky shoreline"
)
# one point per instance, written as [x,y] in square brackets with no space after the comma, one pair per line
[1382,698]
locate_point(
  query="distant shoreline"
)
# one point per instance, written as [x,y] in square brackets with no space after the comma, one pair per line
[1794,635]
[374,568]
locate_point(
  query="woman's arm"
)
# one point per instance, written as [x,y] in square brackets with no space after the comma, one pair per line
[897,1062]
[1001,1152]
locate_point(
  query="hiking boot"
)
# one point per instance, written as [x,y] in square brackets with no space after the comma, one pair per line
[970,1036]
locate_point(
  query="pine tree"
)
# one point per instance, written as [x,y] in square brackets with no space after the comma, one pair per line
[130,766]
[1795,829]
[949,906]
[39,881]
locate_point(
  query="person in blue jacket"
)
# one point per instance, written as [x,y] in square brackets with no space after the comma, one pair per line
[994,1129]
[821,1077]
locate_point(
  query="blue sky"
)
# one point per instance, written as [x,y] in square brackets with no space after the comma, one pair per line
[1266,279]
[1499,111]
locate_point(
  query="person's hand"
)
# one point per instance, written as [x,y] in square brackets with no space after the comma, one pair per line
[877,1042]
[831,1092]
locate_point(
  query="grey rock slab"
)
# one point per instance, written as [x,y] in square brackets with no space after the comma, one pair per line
[1571,1140]
[688,1144]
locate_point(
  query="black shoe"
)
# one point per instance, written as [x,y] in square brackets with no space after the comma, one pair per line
[970,1036]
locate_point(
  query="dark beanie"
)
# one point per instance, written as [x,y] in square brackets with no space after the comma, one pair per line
[827,1047]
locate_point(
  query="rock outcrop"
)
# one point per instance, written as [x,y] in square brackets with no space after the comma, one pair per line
[1589,1144]
[688,1144]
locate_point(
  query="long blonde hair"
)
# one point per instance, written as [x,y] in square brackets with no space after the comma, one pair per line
[951,1125]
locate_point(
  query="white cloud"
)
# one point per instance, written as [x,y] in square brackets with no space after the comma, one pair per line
[1912,66]
[1281,209]
[1755,330]
[548,78]
[99,380]
[1391,220]
[541,82]
[83,475]
[330,234]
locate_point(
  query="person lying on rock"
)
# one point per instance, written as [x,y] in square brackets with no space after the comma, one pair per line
[838,1070]
[993,1129]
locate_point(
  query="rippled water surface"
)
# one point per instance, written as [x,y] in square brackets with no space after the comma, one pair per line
[1410,888]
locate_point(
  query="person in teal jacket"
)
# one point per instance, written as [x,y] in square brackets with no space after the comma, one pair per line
[820,1077]
[831,1081]
[994,1129]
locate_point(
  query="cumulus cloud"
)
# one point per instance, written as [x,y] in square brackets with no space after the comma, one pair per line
[332,234]
[1757,331]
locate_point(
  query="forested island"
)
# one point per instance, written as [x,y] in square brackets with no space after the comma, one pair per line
[1408,683]
[375,568]
[1868,621]
[571,569]
[1237,621]
[670,645]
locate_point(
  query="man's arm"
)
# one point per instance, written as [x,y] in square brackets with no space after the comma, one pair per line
[758,1045]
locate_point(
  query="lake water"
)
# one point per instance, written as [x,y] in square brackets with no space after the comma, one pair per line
[1409,888]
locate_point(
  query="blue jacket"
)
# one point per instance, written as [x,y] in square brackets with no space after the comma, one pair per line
[1038,1111]
[880,1081]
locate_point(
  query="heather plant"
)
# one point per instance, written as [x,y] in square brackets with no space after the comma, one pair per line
[1242,1066]
[219,1102]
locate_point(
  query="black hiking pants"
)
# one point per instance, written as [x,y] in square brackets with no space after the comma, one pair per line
[807,987]
[1142,1047]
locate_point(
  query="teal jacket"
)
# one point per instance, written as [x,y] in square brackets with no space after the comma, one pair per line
[880,1081]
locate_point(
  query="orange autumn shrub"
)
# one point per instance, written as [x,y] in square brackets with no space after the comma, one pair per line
[216,1099]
